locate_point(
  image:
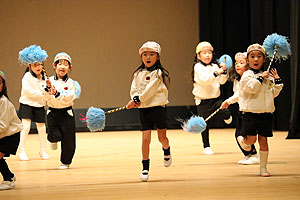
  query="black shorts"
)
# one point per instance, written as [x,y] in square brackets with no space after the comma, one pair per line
[9,144]
[35,114]
[153,117]
[257,124]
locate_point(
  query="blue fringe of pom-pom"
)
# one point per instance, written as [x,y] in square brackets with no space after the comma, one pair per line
[227,59]
[32,54]
[95,119]
[195,124]
[278,42]
[77,90]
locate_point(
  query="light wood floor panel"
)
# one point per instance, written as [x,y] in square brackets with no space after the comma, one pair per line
[107,166]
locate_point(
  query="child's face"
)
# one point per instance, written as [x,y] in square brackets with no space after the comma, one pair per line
[1,84]
[240,65]
[62,68]
[205,56]
[37,68]
[149,58]
[256,59]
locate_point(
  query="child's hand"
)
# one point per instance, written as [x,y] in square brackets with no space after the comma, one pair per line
[48,82]
[274,74]
[265,74]
[225,104]
[222,68]
[52,91]
[132,104]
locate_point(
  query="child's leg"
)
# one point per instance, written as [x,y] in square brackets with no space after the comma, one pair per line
[263,153]
[6,173]
[146,139]
[162,137]
[24,133]
[54,132]
[43,137]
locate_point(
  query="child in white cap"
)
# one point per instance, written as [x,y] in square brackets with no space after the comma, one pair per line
[10,127]
[257,91]
[208,76]
[235,73]
[149,92]
[60,115]
[33,98]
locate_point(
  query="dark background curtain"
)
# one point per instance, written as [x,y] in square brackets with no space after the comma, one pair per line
[294,130]
[232,25]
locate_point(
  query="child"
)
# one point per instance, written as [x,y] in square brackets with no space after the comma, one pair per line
[207,77]
[60,115]
[235,73]
[32,100]
[10,127]
[258,88]
[149,92]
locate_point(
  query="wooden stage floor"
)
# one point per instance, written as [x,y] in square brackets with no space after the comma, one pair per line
[107,166]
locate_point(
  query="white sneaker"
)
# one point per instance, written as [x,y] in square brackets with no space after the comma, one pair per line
[44,156]
[255,159]
[64,166]
[208,151]
[228,121]
[23,156]
[264,172]
[245,146]
[53,145]
[144,175]
[243,160]
[7,185]
[167,161]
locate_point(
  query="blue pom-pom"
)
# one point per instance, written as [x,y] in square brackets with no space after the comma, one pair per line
[77,90]
[226,59]
[95,119]
[32,54]
[195,124]
[278,42]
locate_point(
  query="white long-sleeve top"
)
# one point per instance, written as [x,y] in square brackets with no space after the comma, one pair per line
[66,89]
[257,97]
[150,88]
[235,97]
[32,92]
[206,84]
[9,121]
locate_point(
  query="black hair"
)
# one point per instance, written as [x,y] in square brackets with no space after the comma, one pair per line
[196,60]
[4,89]
[157,65]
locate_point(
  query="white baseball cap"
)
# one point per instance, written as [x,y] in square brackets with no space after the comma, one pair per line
[150,46]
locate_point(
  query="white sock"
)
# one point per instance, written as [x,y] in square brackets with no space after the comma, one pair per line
[26,128]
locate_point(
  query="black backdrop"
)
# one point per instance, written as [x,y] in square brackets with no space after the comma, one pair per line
[232,25]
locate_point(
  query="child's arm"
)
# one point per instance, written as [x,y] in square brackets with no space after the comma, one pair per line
[151,88]
[204,75]
[249,83]
[27,89]
[278,82]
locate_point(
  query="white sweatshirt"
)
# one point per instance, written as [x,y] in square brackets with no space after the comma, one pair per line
[9,121]
[235,97]
[257,97]
[206,84]
[66,89]
[150,88]
[32,92]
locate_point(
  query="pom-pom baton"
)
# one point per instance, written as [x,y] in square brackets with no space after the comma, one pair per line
[197,124]
[95,117]
[277,47]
